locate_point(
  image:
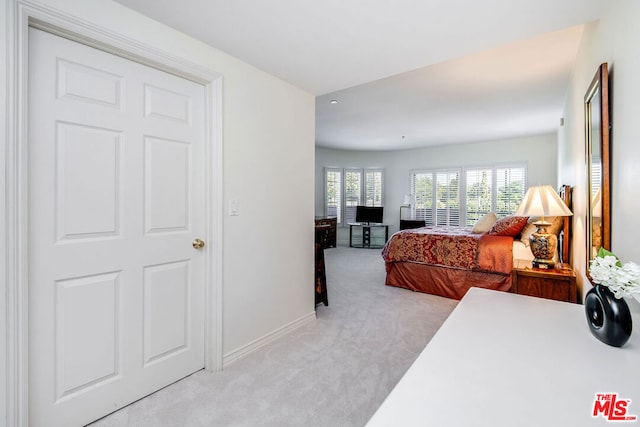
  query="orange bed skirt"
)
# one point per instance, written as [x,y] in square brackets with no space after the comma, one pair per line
[444,281]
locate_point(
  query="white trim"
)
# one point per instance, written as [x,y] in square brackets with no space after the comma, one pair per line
[26,13]
[215,213]
[254,345]
[17,357]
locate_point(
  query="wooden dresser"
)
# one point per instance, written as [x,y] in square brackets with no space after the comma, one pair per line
[325,238]
[326,228]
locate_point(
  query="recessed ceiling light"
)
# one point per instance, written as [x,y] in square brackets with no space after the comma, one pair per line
[333,101]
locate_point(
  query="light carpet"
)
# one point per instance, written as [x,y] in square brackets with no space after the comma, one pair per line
[334,371]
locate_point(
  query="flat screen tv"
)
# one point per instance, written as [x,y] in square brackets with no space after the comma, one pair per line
[369,214]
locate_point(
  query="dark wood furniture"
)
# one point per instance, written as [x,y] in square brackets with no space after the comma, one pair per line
[320,282]
[564,239]
[406,224]
[326,228]
[367,235]
[558,283]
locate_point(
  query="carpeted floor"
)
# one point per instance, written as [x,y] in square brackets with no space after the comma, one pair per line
[334,371]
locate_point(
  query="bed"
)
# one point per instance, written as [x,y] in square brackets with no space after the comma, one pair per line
[449,261]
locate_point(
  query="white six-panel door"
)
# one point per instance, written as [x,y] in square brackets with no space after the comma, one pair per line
[116,198]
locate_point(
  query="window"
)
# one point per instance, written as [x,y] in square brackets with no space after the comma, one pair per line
[437,195]
[359,187]
[496,189]
[510,187]
[352,194]
[596,178]
[448,198]
[373,188]
[333,193]
[422,189]
[479,190]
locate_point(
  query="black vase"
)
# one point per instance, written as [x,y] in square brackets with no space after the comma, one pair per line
[609,318]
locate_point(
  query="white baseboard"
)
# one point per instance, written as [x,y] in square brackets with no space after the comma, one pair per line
[234,355]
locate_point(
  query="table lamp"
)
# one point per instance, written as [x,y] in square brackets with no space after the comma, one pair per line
[409,203]
[542,201]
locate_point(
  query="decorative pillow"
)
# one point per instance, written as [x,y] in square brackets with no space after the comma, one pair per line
[485,223]
[509,226]
[556,226]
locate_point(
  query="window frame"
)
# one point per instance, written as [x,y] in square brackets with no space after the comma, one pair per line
[339,197]
[462,187]
[435,215]
[523,190]
[343,213]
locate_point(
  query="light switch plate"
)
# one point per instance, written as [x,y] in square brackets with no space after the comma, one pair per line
[233,207]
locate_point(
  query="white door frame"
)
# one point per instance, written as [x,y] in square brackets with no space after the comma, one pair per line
[27,13]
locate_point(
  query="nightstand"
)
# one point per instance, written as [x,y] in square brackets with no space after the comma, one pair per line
[557,283]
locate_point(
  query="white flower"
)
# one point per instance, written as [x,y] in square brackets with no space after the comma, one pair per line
[623,280]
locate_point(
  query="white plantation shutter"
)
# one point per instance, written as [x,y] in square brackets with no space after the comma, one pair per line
[448,198]
[510,187]
[373,188]
[596,178]
[423,189]
[438,199]
[352,194]
[479,184]
[345,189]
[333,193]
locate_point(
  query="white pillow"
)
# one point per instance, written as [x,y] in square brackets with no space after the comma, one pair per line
[485,223]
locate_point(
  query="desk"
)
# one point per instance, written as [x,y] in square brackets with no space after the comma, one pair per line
[503,359]
[368,231]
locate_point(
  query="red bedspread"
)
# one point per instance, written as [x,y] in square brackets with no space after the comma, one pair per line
[451,247]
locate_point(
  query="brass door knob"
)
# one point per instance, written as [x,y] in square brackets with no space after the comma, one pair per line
[198,244]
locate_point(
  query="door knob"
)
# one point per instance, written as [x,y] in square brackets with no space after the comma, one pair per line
[198,244]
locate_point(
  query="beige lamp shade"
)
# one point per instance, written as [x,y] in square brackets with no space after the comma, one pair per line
[542,201]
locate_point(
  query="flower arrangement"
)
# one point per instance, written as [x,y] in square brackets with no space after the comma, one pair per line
[623,280]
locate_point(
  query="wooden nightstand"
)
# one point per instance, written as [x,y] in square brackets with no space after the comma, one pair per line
[558,283]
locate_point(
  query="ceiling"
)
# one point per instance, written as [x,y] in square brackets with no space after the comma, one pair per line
[405,73]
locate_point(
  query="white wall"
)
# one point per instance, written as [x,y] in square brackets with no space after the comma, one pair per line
[539,152]
[268,139]
[613,39]
[3,210]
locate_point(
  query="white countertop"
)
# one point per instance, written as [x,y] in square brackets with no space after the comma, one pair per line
[503,359]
